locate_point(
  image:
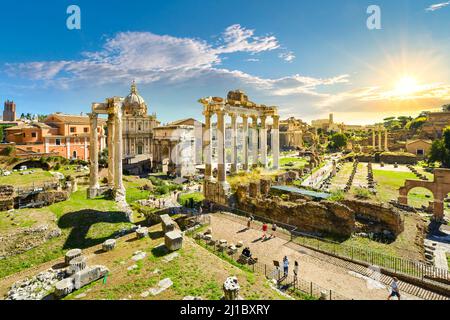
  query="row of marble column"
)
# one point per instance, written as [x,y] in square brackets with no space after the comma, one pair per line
[380,144]
[115,148]
[259,154]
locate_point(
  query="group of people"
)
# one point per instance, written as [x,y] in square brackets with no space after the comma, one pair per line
[265,229]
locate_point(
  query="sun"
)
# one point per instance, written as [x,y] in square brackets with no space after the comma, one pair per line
[406,86]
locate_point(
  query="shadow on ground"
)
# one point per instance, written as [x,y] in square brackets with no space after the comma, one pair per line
[81,221]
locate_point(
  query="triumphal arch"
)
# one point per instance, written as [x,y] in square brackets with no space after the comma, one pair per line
[237,105]
[440,188]
[112,107]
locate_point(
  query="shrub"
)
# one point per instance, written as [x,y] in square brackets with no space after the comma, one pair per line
[337,196]
[362,193]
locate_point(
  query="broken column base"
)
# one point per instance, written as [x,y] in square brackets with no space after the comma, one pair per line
[79,280]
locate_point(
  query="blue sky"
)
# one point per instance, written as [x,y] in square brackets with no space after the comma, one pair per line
[307,57]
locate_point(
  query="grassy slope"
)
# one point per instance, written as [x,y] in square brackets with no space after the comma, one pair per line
[188,273]
[83,223]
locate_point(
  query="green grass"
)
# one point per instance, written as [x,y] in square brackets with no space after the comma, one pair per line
[83,222]
[390,181]
[297,163]
[37,178]
[196,196]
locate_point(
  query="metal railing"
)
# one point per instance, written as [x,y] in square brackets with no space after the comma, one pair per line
[416,269]
[290,283]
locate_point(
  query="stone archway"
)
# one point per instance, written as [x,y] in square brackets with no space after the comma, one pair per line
[440,187]
[420,197]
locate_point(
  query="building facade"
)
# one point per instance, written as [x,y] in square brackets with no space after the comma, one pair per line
[59,134]
[137,132]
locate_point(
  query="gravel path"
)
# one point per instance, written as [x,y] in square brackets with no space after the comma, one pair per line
[329,276]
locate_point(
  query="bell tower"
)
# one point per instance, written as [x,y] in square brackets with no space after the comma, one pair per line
[9,111]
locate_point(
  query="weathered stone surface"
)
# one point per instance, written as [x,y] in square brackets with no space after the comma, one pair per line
[173,240]
[64,287]
[77,264]
[109,245]
[72,254]
[37,287]
[231,289]
[88,275]
[162,286]
[138,255]
[168,224]
[141,232]
[386,216]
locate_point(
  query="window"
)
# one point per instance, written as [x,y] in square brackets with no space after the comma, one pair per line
[74,155]
[73,129]
[140,127]
[33,135]
[420,152]
[140,150]
[58,142]
[86,129]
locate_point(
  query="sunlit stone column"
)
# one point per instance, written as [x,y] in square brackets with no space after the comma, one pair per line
[380,147]
[373,139]
[255,141]
[386,148]
[207,154]
[111,150]
[263,141]
[93,143]
[234,147]
[275,136]
[221,167]
[118,167]
[245,141]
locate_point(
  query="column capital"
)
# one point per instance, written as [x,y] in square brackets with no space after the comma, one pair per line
[208,113]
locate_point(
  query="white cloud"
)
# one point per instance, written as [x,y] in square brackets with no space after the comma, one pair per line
[149,58]
[437,6]
[239,39]
[287,56]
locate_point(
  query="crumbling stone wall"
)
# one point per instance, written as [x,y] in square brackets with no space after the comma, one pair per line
[386,216]
[7,194]
[317,217]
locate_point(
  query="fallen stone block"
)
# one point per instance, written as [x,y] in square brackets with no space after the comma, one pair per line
[167,223]
[109,245]
[141,232]
[173,240]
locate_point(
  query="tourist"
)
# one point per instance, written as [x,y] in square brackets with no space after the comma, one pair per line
[249,223]
[200,210]
[286,265]
[264,229]
[246,252]
[295,269]
[395,292]
[274,229]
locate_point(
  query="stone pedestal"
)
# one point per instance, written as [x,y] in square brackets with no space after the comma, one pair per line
[109,245]
[141,233]
[231,289]
[72,254]
[77,264]
[173,240]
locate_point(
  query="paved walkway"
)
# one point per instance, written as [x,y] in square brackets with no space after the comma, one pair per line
[347,279]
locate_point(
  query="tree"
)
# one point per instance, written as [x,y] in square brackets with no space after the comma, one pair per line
[416,123]
[338,141]
[440,150]
[446,107]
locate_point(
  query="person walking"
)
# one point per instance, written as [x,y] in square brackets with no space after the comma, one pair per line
[286,266]
[264,229]
[296,269]
[395,291]
[249,223]
[274,230]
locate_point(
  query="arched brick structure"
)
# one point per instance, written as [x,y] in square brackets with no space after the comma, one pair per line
[440,187]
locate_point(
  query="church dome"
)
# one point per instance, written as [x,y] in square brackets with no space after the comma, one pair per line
[134,104]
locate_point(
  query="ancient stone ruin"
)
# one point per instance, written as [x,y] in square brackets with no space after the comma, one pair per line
[231,289]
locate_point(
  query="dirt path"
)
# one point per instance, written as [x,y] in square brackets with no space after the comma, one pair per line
[345,281]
